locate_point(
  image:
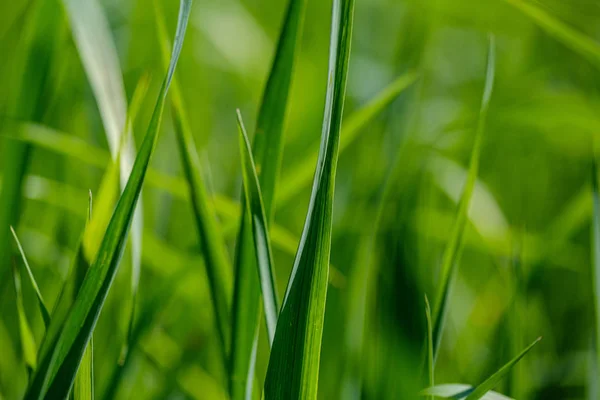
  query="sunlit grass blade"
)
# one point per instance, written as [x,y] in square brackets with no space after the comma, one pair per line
[576,41]
[218,267]
[293,369]
[300,175]
[459,391]
[41,302]
[493,380]
[430,366]
[28,346]
[255,210]
[57,370]
[453,248]
[267,151]
[98,52]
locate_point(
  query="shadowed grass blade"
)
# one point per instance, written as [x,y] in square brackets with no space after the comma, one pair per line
[430,366]
[267,151]
[255,210]
[57,370]
[454,246]
[218,267]
[493,380]
[299,177]
[42,304]
[28,345]
[293,369]
[571,38]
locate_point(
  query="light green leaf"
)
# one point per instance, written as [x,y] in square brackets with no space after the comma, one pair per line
[42,304]
[267,151]
[453,248]
[255,211]
[27,341]
[459,391]
[300,175]
[57,370]
[293,369]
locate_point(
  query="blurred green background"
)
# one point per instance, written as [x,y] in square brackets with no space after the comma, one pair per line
[526,269]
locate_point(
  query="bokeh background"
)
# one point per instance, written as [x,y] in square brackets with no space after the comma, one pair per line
[526,269]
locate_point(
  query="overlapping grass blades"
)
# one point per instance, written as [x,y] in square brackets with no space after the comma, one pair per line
[267,150]
[255,211]
[28,346]
[218,268]
[293,369]
[57,370]
[454,246]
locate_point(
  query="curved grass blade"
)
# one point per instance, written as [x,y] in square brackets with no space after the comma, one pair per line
[493,380]
[28,345]
[255,210]
[57,370]
[293,369]
[96,47]
[218,268]
[459,391]
[42,304]
[454,246]
[430,365]
[576,41]
[267,151]
[299,177]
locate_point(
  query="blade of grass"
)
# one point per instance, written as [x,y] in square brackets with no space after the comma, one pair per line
[27,341]
[430,365]
[218,267]
[493,380]
[267,151]
[595,267]
[57,371]
[459,391]
[255,210]
[454,246]
[40,298]
[300,175]
[293,369]
[96,47]
[571,38]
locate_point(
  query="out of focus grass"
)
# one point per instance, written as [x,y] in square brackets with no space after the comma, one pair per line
[491,211]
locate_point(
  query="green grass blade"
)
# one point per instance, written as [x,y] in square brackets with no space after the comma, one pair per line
[430,365]
[595,272]
[42,304]
[300,175]
[576,41]
[255,210]
[28,345]
[267,151]
[493,380]
[96,47]
[218,267]
[293,369]
[57,371]
[454,246]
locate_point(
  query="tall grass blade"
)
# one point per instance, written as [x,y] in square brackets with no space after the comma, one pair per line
[255,210]
[96,47]
[576,41]
[28,345]
[267,151]
[453,248]
[57,370]
[430,365]
[493,380]
[40,298]
[595,272]
[293,369]
[300,175]
[218,268]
